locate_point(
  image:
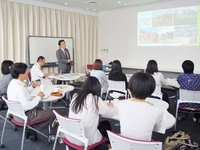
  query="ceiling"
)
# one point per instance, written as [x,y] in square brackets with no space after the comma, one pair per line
[102,5]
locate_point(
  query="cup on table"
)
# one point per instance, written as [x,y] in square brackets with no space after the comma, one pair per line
[115,102]
[42,87]
[56,89]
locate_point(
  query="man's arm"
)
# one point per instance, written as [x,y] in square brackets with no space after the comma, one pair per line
[48,74]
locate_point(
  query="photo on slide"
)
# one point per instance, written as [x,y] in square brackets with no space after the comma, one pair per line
[162,18]
[186,35]
[186,16]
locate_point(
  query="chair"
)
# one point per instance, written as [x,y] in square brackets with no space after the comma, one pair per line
[29,76]
[157,92]
[16,109]
[15,129]
[119,142]
[89,68]
[73,128]
[118,88]
[187,96]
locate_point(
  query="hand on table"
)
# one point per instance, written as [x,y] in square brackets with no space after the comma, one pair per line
[41,94]
[52,73]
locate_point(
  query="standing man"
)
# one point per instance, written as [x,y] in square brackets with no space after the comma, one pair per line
[36,72]
[64,60]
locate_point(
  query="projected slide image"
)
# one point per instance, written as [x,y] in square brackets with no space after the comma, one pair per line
[149,35]
[186,35]
[162,18]
[186,16]
[166,35]
[169,27]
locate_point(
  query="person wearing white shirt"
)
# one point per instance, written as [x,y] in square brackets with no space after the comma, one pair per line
[17,91]
[36,72]
[87,105]
[152,68]
[137,117]
[100,75]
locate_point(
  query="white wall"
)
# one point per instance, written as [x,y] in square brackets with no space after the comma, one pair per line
[118,30]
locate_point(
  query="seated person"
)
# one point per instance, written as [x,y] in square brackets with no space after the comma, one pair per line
[152,68]
[87,105]
[99,74]
[36,73]
[5,80]
[138,117]
[17,91]
[116,73]
[189,81]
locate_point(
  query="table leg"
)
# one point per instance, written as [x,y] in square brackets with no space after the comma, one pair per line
[45,105]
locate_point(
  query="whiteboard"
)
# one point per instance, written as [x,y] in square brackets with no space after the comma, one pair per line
[47,47]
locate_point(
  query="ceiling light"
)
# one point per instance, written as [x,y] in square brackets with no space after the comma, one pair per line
[94,9]
[92,2]
[125,4]
[87,8]
[119,2]
[65,3]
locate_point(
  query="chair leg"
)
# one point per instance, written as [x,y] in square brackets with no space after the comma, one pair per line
[14,127]
[106,95]
[2,135]
[54,145]
[29,127]
[23,135]
[176,116]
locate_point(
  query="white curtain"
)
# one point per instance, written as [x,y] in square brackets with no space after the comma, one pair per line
[18,21]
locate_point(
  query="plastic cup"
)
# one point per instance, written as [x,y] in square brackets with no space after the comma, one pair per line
[42,87]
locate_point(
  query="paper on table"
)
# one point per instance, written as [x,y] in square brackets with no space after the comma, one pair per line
[116,95]
[46,94]
[172,82]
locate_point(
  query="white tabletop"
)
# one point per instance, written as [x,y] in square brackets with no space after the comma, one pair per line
[158,103]
[168,120]
[67,76]
[48,90]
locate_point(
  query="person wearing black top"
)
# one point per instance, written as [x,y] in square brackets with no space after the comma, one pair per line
[116,73]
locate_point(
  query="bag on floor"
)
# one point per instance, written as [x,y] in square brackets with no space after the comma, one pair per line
[180,141]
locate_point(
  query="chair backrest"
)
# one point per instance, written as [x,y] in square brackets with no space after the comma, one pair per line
[90,66]
[119,142]
[72,127]
[15,108]
[29,76]
[120,85]
[188,95]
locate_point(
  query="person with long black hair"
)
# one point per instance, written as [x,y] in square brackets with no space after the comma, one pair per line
[86,105]
[116,73]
